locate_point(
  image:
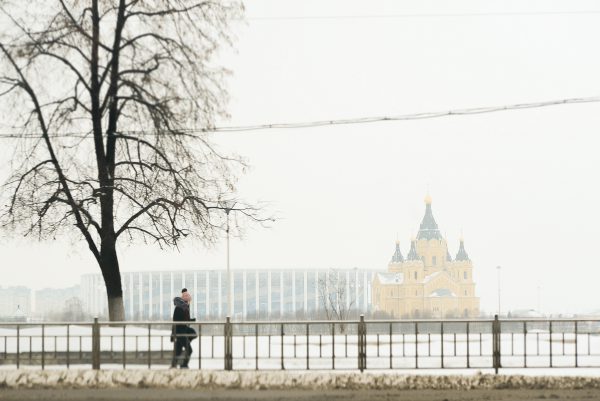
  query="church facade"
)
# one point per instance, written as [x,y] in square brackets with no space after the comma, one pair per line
[428,282]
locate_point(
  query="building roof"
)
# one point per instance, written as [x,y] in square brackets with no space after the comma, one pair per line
[390,278]
[462,254]
[428,228]
[442,292]
[397,256]
[431,277]
[412,254]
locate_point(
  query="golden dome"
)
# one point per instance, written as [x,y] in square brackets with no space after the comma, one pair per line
[428,199]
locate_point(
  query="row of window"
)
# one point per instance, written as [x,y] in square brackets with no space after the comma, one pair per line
[285,294]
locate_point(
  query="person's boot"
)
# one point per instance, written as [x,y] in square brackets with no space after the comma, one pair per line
[186,362]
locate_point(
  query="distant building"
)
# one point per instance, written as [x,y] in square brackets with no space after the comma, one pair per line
[49,302]
[525,313]
[276,293]
[428,282]
[13,299]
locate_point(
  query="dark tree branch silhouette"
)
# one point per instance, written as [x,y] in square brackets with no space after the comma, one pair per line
[337,297]
[114,69]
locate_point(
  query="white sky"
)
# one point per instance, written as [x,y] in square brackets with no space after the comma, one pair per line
[522,185]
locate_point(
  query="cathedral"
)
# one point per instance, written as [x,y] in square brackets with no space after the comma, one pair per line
[427,283]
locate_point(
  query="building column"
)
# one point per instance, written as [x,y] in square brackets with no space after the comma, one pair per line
[294,292]
[347,290]
[220,310]
[141,295]
[281,294]
[305,278]
[356,299]
[194,300]
[244,307]
[269,294]
[97,295]
[171,296]
[161,300]
[256,292]
[365,292]
[131,296]
[207,307]
[150,291]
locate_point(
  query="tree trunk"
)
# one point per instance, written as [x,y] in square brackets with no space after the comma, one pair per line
[112,279]
[116,310]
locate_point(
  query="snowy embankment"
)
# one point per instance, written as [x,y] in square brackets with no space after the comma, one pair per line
[171,379]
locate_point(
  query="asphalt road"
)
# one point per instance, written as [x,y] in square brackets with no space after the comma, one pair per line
[295,395]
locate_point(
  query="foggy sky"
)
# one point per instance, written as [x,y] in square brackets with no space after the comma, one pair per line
[522,186]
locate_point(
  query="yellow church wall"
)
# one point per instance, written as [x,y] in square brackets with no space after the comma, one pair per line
[427,249]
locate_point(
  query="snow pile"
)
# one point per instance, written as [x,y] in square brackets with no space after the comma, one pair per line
[191,379]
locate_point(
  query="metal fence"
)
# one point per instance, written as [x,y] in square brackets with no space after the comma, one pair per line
[304,345]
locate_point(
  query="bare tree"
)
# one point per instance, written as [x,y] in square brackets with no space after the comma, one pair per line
[337,297]
[102,95]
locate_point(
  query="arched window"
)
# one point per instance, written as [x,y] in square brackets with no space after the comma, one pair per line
[433,260]
[415,275]
[465,275]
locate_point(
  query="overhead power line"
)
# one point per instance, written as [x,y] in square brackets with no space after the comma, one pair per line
[346,121]
[426,15]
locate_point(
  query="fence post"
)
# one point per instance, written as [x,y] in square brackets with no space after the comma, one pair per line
[228,331]
[95,345]
[524,344]
[149,347]
[468,348]
[362,344]
[550,343]
[576,340]
[19,346]
[282,349]
[496,343]
[442,345]
[43,347]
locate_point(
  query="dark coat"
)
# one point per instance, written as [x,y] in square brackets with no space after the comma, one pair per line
[181,314]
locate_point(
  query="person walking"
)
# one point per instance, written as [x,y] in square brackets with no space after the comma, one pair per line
[182,334]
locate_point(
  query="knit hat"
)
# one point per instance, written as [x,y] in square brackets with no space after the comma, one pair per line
[187,297]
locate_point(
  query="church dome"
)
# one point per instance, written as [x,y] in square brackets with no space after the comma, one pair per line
[462,255]
[428,229]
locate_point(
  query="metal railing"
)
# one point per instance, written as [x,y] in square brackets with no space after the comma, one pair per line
[305,345]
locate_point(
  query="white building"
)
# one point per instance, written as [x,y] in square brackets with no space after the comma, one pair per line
[276,293]
[52,301]
[13,299]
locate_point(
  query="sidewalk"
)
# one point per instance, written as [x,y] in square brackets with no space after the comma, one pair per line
[127,394]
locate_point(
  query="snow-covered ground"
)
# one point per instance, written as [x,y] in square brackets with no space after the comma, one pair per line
[203,380]
[398,351]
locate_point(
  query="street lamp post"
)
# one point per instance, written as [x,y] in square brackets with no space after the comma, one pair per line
[499,309]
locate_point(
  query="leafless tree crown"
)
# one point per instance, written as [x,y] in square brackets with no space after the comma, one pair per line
[103,93]
[337,297]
